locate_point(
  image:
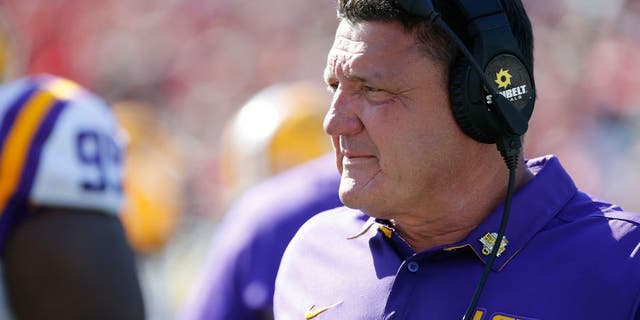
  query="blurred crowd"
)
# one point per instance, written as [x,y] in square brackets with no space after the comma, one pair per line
[193,62]
[180,69]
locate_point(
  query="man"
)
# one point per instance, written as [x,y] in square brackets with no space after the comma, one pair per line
[424,186]
[64,251]
[280,177]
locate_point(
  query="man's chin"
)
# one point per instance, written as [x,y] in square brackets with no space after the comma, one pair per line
[353,192]
[350,198]
[354,198]
[367,208]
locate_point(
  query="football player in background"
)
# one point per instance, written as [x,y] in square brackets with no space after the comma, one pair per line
[276,129]
[63,248]
[275,178]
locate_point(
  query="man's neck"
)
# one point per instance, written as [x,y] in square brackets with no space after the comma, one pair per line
[455,213]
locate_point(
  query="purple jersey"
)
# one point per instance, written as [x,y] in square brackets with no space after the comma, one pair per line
[240,274]
[566,256]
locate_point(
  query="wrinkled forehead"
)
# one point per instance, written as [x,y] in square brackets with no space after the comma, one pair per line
[352,37]
[349,44]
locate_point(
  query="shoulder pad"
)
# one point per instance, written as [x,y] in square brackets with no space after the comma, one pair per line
[60,146]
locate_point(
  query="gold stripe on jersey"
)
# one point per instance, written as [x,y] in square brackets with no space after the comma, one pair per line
[29,119]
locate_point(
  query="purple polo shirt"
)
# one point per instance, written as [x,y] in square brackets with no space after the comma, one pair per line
[568,256]
[239,276]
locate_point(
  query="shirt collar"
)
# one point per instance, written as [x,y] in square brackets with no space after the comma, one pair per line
[534,205]
[365,228]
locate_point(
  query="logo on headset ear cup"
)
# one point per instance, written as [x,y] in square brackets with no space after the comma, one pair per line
[471,102]
[512,80]
[468,107]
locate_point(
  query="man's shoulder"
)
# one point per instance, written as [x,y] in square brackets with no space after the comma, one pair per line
[624,228]
[327,263]
[341,220]
[626,217]
[330,228]
[601,213]
[590,225]
[336,228]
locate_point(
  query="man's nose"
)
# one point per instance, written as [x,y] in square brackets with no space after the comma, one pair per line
[342,117]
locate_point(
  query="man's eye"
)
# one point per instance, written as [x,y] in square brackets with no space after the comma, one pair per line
[376,95]
[370,89]
[332,87]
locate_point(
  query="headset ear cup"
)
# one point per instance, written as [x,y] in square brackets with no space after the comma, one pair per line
[470,123]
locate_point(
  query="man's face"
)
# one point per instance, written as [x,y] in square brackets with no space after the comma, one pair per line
[394,136]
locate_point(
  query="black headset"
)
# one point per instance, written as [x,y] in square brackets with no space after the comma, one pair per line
[491,89]
[495,49]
